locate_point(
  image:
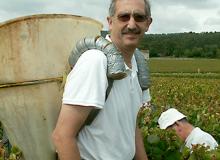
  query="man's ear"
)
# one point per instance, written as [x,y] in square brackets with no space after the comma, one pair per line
[149,21]
[109,19]
[178,126]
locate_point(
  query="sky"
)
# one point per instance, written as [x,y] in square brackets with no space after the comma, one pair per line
[169,16]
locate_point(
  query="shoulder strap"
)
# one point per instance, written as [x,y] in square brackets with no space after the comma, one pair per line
[143,70]
[108,90]
[94,112]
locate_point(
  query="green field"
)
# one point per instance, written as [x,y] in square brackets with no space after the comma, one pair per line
[184,65]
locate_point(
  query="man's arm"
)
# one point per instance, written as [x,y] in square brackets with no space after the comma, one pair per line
[70,120]
[140,150]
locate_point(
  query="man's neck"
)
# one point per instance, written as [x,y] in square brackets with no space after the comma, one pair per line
[127,55]
[126,51]
[189,128]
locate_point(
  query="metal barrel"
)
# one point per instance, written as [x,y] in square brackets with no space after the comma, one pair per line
[34,53]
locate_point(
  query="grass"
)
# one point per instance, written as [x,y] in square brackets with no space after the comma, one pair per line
[184,65]
[188,75]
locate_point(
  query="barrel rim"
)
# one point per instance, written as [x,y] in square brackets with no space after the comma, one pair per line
[45,16]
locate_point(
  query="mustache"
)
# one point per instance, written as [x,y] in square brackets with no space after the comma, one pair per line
[133,31]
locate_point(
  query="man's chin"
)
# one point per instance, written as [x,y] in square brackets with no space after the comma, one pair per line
[133,42]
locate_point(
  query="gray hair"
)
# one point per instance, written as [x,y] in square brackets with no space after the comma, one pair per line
[113,6]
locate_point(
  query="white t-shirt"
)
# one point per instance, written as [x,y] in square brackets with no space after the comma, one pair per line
[111,136]
[198,136]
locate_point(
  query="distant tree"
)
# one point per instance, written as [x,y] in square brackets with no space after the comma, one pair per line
[196,52]
[218,53]
[205,44]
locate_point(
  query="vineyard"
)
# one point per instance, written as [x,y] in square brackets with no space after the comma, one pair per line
[199,99]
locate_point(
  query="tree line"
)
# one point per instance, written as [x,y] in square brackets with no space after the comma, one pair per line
[204,45]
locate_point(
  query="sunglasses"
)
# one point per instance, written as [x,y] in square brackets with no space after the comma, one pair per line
[125,17]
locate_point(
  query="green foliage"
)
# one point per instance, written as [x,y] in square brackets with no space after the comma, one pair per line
[200,152]
[182,44]
[188,75]
[159,144]
[197,98]
[7,153]
[14,154]
[1,131]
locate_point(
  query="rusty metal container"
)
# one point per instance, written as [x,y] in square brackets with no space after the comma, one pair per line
[34,54]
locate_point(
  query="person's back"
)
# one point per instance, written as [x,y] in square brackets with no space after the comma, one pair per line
[198,136]
[173,119]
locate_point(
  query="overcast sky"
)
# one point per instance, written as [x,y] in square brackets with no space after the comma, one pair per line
[169,16]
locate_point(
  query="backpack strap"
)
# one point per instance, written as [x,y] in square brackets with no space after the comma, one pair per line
[143,70]
[94,112]
[108,90]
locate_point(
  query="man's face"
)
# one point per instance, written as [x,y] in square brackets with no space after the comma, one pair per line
[178,127]
[129,23]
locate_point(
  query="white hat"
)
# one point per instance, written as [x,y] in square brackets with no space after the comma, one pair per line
[169,117]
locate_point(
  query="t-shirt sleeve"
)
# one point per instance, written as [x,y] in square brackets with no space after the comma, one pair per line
[87,82]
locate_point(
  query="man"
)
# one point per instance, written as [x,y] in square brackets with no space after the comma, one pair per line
[173,119]
[113,134]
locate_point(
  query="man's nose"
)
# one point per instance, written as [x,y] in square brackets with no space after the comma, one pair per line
[131,23]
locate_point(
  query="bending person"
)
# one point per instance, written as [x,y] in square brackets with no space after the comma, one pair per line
[173,119]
